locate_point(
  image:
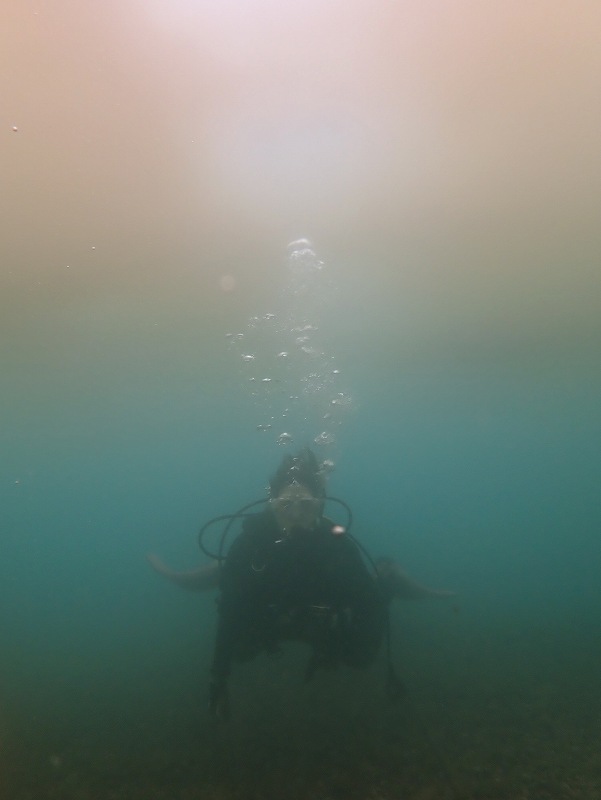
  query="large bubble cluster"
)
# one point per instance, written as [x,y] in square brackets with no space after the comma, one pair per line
[297,388]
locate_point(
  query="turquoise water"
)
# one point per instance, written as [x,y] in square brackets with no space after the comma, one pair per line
[478,471]
[155,160]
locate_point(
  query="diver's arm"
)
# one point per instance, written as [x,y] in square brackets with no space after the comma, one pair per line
[399,584]
[201,579]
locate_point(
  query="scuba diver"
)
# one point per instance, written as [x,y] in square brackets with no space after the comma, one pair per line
[293,574]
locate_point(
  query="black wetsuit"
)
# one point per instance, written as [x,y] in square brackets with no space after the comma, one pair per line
[311,586]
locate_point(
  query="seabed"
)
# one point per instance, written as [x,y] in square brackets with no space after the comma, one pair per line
[474,728]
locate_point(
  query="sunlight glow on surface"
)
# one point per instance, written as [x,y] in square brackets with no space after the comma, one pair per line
[450,147]
[297,127]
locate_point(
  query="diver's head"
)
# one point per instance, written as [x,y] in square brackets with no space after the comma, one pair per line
[297,492]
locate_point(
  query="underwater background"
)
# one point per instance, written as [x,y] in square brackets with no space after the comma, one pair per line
[167,333]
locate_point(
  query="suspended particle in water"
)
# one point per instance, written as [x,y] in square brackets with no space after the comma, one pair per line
[227,283]
[268,317]
[265,427]
[283,354]
[265,380]
[284,438]
[248,358]
[327,465]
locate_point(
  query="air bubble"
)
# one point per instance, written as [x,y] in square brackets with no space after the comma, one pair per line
[342,400]
[299,244]
[284,344]
[301,254]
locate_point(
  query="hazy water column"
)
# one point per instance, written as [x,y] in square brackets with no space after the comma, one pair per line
[297,390]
